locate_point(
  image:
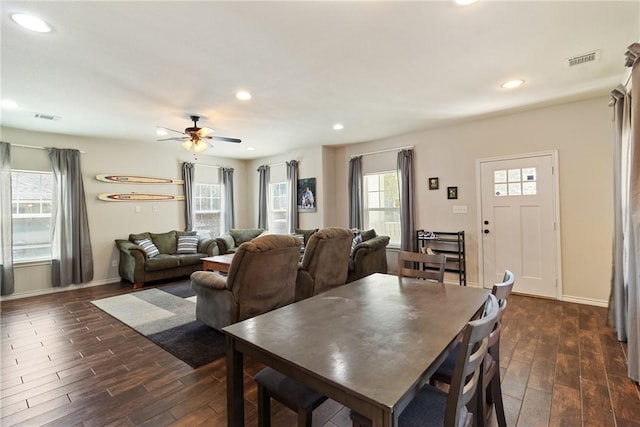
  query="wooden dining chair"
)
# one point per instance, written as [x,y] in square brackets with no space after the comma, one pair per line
[433,407]
[421,266]
[291,393]
[489,392]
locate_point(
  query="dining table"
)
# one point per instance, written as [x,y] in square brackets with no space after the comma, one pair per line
[369,345]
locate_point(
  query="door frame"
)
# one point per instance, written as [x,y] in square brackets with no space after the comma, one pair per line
[555,199]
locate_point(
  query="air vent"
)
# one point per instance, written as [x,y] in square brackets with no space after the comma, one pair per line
[583,59]
[46,116]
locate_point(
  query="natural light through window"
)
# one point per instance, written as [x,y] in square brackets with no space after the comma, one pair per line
[382,205]
[31,213]
[278,218]
[515,182]
[206,206]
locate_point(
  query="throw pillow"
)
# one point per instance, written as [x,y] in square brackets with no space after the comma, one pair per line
[148,247]
[356,240]
[368,234]
[187,245]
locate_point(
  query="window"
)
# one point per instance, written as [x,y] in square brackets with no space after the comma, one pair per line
[515,182]
[31,208]
[279,214]
[382,205]
[206,207]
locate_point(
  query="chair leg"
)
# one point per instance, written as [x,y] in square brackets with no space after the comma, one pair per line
[264,407]
[496,394]
[305,418]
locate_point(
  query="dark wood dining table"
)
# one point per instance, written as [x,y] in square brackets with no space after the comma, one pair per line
[369,345]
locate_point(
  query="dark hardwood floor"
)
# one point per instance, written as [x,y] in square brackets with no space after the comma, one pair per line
[66,363]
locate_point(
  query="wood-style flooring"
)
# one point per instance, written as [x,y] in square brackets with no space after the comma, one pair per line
[66,363]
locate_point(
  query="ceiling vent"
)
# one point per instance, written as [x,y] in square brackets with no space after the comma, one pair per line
[583,59]
[46,116]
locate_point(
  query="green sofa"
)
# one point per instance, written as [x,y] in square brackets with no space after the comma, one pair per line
[139,266]
[369,256]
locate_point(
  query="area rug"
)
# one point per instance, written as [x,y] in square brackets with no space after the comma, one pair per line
[167,316]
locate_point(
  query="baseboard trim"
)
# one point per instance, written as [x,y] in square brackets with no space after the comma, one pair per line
[587,301]
[59,289]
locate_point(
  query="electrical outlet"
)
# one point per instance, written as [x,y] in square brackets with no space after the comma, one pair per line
[154,209]
[138,209]
[114,263]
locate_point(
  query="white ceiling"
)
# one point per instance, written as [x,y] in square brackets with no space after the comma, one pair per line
[119,69]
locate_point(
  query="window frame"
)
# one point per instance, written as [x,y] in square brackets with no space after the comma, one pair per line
[392,210]
[197,191]
[280,210]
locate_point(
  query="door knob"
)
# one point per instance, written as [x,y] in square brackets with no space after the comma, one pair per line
[486,231]
[486,222]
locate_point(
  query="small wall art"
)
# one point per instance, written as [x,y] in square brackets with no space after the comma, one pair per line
[307,201]
[452,192]
[434,183]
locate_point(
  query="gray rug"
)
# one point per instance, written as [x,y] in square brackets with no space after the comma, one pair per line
[167,318]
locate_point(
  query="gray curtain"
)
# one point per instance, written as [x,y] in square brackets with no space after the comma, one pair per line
[624,304]
[263,197]
[355,192]
[292,179]
[188,174]
[405,190]
[6,221]
[72,259]
[227,187]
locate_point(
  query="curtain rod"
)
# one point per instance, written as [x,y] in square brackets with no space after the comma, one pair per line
[35,147]
[205,165]
[382,151]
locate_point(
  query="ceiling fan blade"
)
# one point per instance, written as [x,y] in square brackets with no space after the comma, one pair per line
[226,139]
[173,130]
[175,138]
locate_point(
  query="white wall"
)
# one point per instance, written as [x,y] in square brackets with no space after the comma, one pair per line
[580,131]
[116,220]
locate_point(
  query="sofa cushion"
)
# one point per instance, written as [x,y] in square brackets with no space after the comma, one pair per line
[190,259]
[148,247]
[141,236]
[167,243]
[187,245]
[368,234]
[228,242]
[241,235]
[162,262]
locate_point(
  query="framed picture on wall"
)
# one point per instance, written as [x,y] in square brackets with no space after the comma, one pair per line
[434,183]
[307,198]
[452,192]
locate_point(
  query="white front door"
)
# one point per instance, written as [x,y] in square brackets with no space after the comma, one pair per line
[518,223]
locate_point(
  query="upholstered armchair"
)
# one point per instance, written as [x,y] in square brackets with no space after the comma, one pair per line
[325,262]
[262,277]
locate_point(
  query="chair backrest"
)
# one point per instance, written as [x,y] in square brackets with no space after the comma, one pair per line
[262,274]
[466,373]
[326,258]
[503,290]
[421,266]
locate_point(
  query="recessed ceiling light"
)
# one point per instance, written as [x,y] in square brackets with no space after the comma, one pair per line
[512,84]
[30,22]
[161,132]
[338,126]
[465,2]
[243,95]
[251,149]
[9,104]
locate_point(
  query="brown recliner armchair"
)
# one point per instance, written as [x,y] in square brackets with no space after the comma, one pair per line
[262,277]
[325,262]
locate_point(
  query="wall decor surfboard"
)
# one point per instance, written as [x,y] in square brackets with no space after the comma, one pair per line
[134,179]
[137,197]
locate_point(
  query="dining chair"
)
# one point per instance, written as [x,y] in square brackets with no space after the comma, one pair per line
[291,393]
[489,392]
[421,265]
[433,407]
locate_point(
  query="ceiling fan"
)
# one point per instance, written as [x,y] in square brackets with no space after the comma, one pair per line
[196,137]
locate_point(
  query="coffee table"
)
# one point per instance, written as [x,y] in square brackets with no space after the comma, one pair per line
[219,263]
